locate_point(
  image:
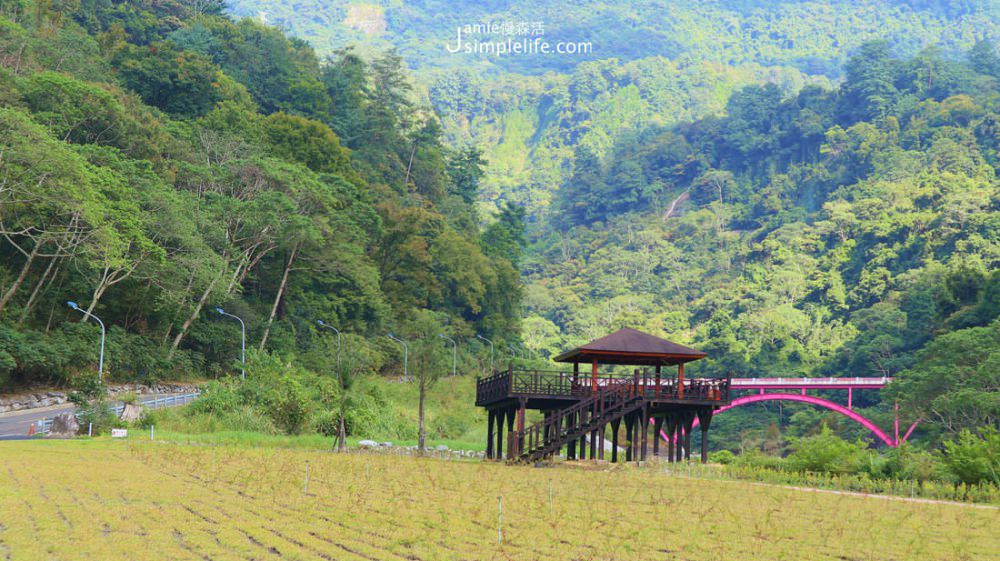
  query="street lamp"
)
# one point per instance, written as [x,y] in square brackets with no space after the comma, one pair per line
[454,354]
[100,363]
[406,355]
[243,342]
[328,326]
[478,336]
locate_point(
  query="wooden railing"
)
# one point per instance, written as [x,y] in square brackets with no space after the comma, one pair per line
[549,383]
[612,401]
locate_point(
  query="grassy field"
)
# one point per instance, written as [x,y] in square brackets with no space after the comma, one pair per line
[106,500]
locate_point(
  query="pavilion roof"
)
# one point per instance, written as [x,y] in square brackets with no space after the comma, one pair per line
[631,347]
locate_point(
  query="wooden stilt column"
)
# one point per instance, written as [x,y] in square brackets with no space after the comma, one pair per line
[657,428]
[520,426]
[571,446]
[671,435]
[600,443]
[688,427]
[644,431]
[498,452]
[593,445]
[679,441]
[490,420]
[704,420]
[615,425]
[510,428]
[629,436]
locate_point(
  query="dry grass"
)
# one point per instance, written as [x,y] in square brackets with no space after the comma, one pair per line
[114,500]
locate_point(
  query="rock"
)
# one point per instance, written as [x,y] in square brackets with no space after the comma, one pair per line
[64,425]
[131,413]
[386,445]
[442,448]
[367,444]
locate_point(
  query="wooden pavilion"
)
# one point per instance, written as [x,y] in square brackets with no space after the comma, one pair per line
[578,408]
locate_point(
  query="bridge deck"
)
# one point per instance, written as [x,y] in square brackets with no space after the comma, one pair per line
[809,383]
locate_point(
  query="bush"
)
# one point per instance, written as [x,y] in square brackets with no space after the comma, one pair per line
[325,422]
[287,406]
[973,459]
[826,453]
[723,457]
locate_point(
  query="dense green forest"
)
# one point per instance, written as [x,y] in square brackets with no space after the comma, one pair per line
[161,160]
[651,63]
[834,232]
[776,190]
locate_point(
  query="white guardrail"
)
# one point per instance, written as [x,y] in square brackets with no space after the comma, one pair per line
[857,381]
[43,426]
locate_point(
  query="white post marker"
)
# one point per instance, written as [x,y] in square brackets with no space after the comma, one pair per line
[90,429]
[499,520]
[151,432]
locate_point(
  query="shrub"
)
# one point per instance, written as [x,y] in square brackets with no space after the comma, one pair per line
[973,459]
[724,457]
[826,453]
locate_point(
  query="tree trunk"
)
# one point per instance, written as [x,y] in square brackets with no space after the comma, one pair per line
[20,277]
[194,314]
[281,291]
[342,433]
[36,291]
[420,420]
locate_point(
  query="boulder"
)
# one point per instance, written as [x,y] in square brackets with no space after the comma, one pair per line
[64,425]
[367,443]
[442,448]
[131,413]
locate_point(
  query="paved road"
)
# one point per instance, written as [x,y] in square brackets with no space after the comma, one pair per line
[14,424]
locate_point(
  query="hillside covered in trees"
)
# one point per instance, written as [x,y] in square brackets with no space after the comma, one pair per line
[834,232]
[159,160]
[779,191]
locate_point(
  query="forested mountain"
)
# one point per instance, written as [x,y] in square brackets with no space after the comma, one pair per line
[649,62]
[799,188]
[160,160]
[844,232]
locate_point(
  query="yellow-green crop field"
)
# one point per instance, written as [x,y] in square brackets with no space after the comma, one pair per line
[105,501]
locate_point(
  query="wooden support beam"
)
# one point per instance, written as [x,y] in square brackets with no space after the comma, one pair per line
[510,428]
[500,424]
[671,435]
[629,437]
[657,428]
[600,444]
[680,381]
[688,427]
[593,445]
[571,446]
[490,419]
[644,431]
[704,420]
[615,425]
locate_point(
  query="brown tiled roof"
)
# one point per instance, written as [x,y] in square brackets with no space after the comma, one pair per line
[629,346]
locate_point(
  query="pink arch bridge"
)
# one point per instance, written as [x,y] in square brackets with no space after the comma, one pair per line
[783,385]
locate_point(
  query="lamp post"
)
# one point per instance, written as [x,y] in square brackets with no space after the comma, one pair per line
[454,353]
[478,336]
[243,342]
[328,326]
[406,355]
[100,362]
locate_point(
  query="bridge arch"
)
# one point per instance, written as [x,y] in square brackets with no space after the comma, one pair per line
[812,400]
